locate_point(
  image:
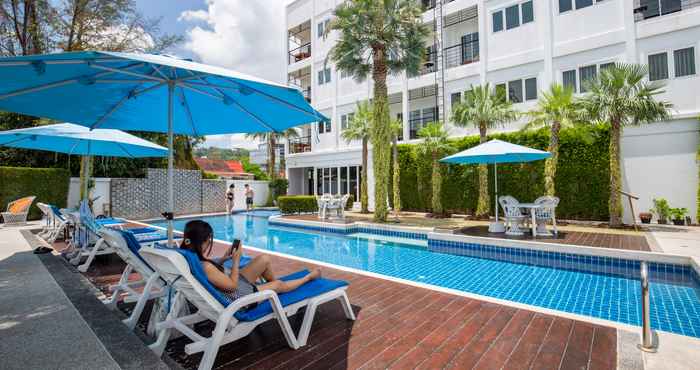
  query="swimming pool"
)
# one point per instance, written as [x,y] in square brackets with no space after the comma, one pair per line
[584,287]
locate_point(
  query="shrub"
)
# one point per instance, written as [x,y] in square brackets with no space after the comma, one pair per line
[49,185]
[582,180]
[278,187]
[291,204]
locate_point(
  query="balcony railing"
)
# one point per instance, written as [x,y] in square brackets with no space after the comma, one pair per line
[654,8]
[307,94]
[463,53]
[429,65]
[300,144]
[300,53]
[430,4]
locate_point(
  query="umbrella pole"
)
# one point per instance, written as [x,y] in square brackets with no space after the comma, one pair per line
[495,186]
[171,202]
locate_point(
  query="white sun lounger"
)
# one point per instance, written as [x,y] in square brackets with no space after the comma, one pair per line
[183,271]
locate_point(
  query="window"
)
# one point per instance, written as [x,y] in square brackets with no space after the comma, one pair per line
[565,6]
[515,91]
[324,127]
[501,90]
[531,88]
[684,62]
[344,74]
[454,99]
[319,30]
[498,21]
[414,123]
[399,117]
[512,17]
[429,115]
[583,3]
[658,66]
[324,76]
[605,66]
[528,13]
[327,72]
[569,79]
[345,120]
[586,74]
[321,77]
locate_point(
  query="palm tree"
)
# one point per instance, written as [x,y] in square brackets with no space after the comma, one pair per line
[359,129]
[621,96]
[555,109]
[396,130]
[434,143]
[271,139]
[484,108]
[378,38]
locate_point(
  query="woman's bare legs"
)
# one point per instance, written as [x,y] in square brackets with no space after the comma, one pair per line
[281,286]
[259,266]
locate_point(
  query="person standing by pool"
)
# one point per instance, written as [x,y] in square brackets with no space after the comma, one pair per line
[249,194]
[230,198]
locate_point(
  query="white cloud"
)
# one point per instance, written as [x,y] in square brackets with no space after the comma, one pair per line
[243,35]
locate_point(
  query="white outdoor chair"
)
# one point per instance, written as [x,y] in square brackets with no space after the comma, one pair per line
[17,211]
[545,213]
[321,202]
[182,270]
[59,225]
[48,221]
[511,212]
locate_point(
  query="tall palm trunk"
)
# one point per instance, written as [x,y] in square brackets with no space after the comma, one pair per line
[482,207]
[364,197]
[381,134]
[271,159]
[437,186]
[396,178]
[615,203]
[85,170]
[550,165]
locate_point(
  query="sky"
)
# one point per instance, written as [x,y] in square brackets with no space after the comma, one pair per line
[243,35]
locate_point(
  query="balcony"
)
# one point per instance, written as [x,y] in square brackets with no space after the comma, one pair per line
[463,53]
[301,144]
[429,65]
[430,4]
[646,9]
[300,53]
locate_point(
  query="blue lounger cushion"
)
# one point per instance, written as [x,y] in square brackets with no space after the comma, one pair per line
[143,230]
[309,290]
[109,221]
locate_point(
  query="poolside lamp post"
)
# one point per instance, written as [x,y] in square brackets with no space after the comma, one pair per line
[495,152]
[145,92]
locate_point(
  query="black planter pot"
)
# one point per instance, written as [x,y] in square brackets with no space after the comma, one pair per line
[646,220]
[679,222]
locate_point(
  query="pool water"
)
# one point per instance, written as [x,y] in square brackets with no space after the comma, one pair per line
[675,301]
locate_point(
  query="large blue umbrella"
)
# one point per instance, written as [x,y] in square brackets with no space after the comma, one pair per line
[79,140]
[496,151]
[149,93]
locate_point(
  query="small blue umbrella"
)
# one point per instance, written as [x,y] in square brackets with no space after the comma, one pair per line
[79,140]
[146,92]
[494,152]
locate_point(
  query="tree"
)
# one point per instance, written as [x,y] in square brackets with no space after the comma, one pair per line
[396,131]
[555,109]
[271,139]
[434,143]
[484,108]
[378,38]
[621,97]
[359,129]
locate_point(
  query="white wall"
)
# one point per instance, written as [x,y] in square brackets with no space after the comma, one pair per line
[658,161]
[101,189]
[260,189]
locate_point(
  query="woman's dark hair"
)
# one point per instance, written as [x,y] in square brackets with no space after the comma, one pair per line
[197,234]
[231,186]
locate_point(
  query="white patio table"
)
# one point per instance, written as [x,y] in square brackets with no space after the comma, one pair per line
[532,207]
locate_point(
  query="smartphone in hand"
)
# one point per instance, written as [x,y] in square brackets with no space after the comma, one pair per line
[235,245]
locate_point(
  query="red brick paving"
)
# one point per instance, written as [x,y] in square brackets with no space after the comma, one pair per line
[404,327]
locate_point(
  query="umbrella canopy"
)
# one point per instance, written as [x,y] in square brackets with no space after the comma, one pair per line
[496,151]
[131,92]
[147,92]
[79,140]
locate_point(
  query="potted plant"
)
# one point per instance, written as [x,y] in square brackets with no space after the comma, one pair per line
[661,209]
[678,215]
[645,217]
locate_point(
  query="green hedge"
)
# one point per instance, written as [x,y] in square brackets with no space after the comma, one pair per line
[49,185]
[290,204]
[582,181]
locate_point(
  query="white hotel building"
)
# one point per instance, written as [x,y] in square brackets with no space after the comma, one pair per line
[525,45]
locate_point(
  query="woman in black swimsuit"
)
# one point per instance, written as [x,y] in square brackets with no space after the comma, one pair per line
[229,199]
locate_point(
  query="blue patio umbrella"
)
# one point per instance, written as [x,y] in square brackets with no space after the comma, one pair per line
[79,140]
[494,152]
[146,92]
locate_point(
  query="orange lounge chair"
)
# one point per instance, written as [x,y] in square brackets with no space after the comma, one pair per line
[17,211]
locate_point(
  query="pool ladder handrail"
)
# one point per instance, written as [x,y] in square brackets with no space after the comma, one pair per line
[647,344]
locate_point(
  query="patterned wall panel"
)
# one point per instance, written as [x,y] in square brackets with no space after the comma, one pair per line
[213,193]
[132,198]
[187,189]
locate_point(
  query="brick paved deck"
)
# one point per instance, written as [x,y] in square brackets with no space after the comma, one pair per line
[404,327]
